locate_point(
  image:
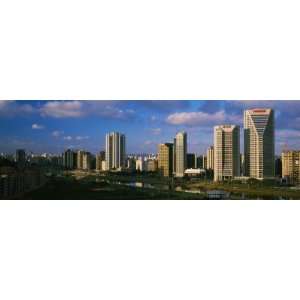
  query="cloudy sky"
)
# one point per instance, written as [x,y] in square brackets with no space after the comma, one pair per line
[52,126]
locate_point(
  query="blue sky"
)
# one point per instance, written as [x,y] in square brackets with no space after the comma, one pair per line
[52,126]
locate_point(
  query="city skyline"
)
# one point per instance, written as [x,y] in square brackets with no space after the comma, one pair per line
[53,126]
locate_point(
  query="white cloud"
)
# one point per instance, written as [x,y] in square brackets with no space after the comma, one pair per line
[62,109]
[75,109]
[202,118]
[37,126]
[10,108]
[195,118]
[149,143]
[68,138]
[156,131]
[80,138]
[57,133]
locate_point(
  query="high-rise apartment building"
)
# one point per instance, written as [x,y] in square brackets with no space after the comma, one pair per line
[226,152]
[180,151]
[20,158]
[278,166]
[259,143]
[68,159]
[191,160]
[204,161]
[140,164]
[151,165]
[291,166]
[115,151]
[86,161]
[210,157]
[165,159]
[80,159]
[99,158]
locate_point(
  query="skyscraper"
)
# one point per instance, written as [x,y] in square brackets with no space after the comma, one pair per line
[226,152]
[100,157]
[86,161]
[165,159]
[68,159]
[191,160]
[80,159]
[180,151]
[210,157]
[115,150]
[20,158]
[291,166]
[259,143]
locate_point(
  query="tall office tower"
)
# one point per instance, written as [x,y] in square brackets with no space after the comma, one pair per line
[226,152]
[291,166]
[86,161]
[191,160]
[115,150]
[180,151]
[98,162]
[204,161]
[210,157]
[68,159]
[102,155]
[278,166]
[20,158]
[200,162]
[259,143]
[100,158]
[80,159]
[165,159]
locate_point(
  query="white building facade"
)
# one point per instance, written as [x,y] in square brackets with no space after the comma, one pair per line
[226,152]
[115,153]
[180,154]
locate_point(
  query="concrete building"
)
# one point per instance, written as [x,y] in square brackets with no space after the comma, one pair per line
[165,159]
[20,158]
[180,151]
[152,165]
[131,163]
[278,167]
[242,164]
[87,161]
[291,166]
[140,164]
[15,182]
[199,163]
[204,161]
[226,152]
[99,158]
[80,159]
[115,153]
[195,172]
[103,165]
[68,159]
[210,157]
[191,159]
[259,143]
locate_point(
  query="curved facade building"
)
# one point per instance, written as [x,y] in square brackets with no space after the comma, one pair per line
[259,144]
